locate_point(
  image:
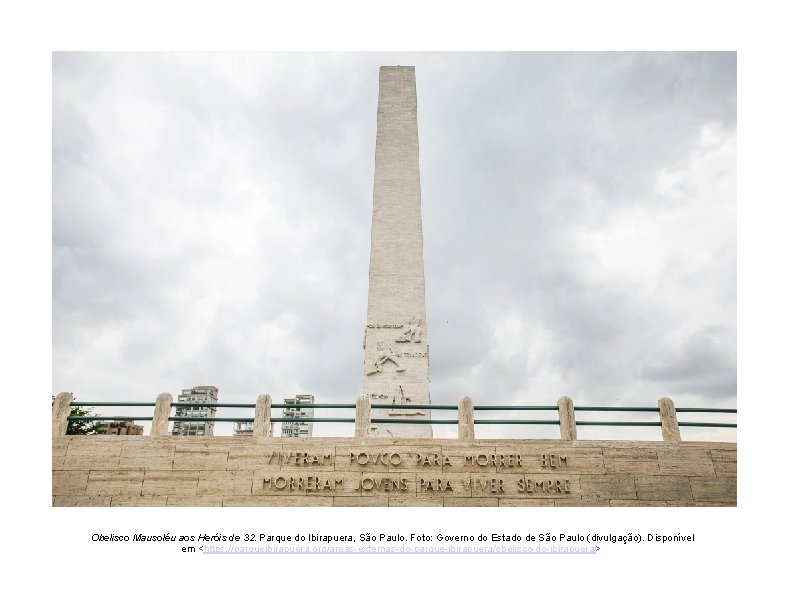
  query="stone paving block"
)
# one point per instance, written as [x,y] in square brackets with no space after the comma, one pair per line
[608,487]
[115,482]
[470,502]
[689,462]
[59,448]
[663,487]
[636,503]
[82,501]
[278,501]
[254,456]
[147,455]
[724,462]
[416,501]
[715,504]
[574,502]
[194,500]
[122,500]
[200,459]
[170,483]
[69,483]
[635,461]
[361,501]
[713,489]
[225,483]
[526,502]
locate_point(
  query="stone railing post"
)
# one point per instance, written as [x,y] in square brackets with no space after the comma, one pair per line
[670,431]
[162,411]
[567,418]
[362,416]
[60,411]
[263,428]
[465,419]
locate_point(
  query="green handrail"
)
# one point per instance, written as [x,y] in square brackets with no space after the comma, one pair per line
[110,404]
[408,420]
[106,418]
[515,407]
[618,423]
[697,424]
[388,420]
[427,406]
[549,422]
[703,410]
[650,409]
[314,419]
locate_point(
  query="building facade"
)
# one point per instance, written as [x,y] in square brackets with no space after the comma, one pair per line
[189,398]
[126,427]
[302,426]
[243,428]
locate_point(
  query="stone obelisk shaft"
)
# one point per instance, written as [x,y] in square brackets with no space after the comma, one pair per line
[396,354]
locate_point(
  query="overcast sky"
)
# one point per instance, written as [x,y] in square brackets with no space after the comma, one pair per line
[211,220]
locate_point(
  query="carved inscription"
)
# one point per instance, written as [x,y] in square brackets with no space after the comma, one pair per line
[301,459]
[493,485]
[553,461]
[384,484]
[508,460]
[400,481]
[435,485]
[308,483]
[431,460]
[390,459]
[483,460]
[551,486]
[411,329]
[396,459]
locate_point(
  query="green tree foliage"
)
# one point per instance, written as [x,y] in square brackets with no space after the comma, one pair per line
[82,427]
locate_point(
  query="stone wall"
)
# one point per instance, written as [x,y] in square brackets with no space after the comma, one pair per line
[246,471]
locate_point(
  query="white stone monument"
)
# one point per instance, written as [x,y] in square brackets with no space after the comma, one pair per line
[396,353]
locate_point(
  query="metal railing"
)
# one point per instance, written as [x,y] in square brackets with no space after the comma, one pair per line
[365,410]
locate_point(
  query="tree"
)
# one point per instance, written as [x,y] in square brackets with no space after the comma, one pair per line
[82,427]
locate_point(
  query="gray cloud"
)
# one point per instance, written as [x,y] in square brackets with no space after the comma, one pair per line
[211,224]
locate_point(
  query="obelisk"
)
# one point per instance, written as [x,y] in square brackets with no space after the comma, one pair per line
[396,353]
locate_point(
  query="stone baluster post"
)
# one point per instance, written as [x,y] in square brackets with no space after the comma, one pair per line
[567,418]
[465,419]
[60,411]
[667,415]
[162,411]
[362,416]
[263,427]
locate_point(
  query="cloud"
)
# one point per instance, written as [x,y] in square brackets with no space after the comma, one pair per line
[211,221]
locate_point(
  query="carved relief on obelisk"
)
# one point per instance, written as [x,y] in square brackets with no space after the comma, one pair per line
[396,354]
